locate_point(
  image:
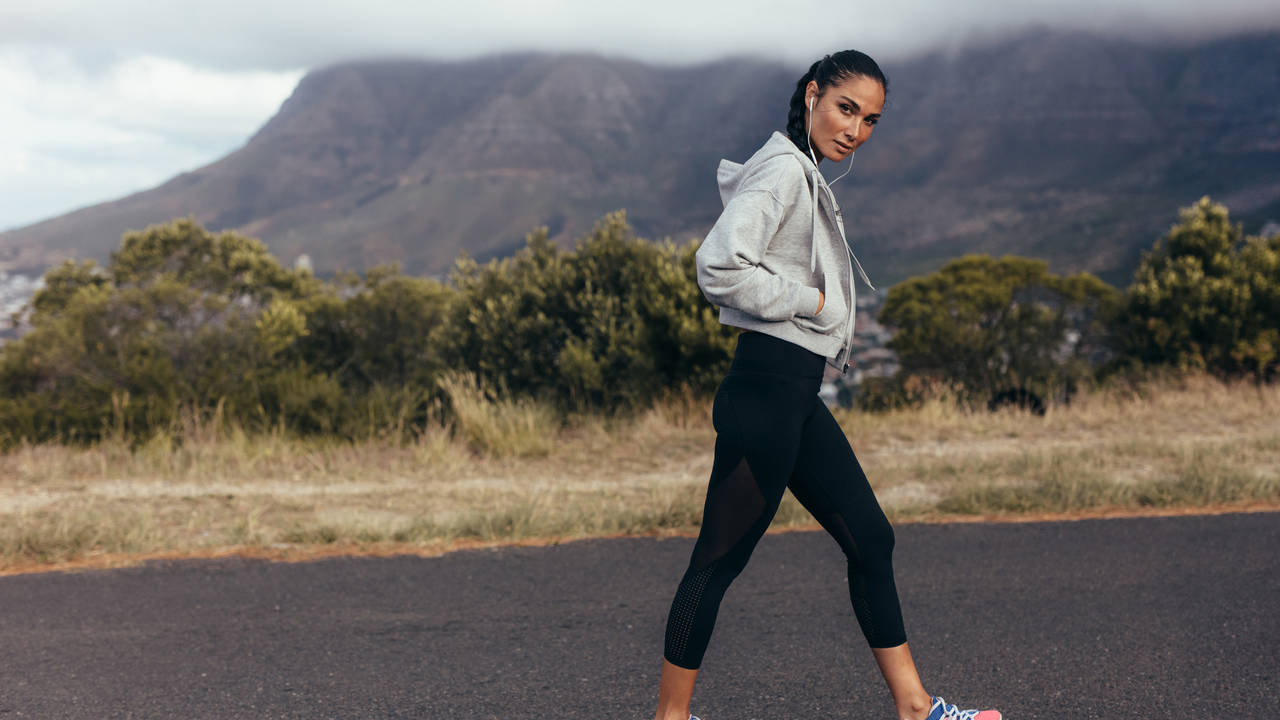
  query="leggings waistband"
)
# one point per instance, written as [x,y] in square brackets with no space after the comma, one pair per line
[758,352]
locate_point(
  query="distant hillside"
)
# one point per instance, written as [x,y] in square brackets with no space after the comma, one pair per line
[1065,146]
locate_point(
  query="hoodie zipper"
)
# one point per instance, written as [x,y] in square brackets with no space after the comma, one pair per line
[849,261]
[853,305]
[853,309]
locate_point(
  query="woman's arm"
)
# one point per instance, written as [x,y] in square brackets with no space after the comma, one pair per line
[728,262]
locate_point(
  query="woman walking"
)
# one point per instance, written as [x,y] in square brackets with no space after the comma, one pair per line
[778,266]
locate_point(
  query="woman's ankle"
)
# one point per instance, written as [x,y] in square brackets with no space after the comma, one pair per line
[915,708]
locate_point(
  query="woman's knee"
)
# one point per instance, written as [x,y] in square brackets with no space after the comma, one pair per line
[875,541]
[888,538]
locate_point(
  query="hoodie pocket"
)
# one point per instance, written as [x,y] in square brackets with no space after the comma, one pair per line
[828,320]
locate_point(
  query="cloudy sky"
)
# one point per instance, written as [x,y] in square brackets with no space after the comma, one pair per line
[101,98]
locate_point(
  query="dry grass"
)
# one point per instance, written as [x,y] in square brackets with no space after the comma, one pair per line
[1192,442]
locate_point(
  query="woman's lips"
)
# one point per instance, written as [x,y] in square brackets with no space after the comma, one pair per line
[842,146]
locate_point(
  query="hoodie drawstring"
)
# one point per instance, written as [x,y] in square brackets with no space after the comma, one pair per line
[861,272]
[813,233]
[813,246]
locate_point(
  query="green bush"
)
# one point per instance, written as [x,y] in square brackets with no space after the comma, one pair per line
[185,322]
[607,326]
[988,327]
[180,317]
[1205,297]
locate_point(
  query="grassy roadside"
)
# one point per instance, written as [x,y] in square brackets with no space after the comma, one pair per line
[508,475]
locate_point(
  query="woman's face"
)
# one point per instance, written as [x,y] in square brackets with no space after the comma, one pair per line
[844,116]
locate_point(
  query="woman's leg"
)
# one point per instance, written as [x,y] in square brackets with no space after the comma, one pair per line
[758,420]
[909,696]
[675,692]
[829,482]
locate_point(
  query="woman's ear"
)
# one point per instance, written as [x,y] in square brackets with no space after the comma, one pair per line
[811,93]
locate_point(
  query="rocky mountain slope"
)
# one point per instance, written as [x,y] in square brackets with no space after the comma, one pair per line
[1066,146]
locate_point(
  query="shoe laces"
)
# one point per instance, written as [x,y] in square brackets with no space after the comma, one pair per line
[951,712]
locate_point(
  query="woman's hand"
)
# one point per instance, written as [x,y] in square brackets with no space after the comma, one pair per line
[821,300]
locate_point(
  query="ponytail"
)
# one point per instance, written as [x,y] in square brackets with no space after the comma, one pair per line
[795,114]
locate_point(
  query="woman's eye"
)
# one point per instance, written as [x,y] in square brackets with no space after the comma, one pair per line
[871,121]
[845,107]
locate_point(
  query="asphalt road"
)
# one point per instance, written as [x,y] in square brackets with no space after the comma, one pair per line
[1139,618]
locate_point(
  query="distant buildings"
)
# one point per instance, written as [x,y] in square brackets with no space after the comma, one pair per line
[869,357]
[15,291]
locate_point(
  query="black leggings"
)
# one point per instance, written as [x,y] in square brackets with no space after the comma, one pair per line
[774,432]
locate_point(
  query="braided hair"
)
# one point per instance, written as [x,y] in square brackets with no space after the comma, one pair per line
[830,70]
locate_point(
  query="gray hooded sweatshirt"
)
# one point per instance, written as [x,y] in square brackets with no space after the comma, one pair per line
[779,240]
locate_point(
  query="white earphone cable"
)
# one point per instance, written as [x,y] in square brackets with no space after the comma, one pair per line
[809,141]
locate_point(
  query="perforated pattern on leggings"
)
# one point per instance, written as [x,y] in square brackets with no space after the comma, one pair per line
[866,619]
[683,610]
[858,590]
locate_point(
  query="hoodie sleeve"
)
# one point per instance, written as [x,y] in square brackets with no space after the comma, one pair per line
[728,261]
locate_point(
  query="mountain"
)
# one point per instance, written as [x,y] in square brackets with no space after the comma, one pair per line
[1063,145]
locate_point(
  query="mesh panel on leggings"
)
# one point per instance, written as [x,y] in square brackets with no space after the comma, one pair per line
[734,504]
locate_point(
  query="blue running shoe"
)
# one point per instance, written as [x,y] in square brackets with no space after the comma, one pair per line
[942,711]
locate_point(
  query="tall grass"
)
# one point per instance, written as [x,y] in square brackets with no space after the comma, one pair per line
[510,471]
[499,426]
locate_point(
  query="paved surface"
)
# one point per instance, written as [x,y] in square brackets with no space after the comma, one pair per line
[1139,618]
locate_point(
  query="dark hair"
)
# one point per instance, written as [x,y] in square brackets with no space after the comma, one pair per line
[830,70]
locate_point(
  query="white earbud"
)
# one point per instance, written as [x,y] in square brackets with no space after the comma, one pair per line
[810,104]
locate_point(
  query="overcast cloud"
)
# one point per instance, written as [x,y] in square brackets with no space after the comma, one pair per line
[105,98]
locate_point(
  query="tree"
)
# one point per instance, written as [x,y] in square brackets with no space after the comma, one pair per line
[1205,297]
[610,324]
[179,317]
[997,329]
[228,264]
[185,319]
